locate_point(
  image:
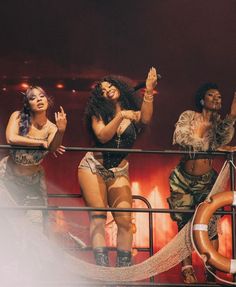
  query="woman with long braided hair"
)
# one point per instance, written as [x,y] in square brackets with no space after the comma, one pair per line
[21,173]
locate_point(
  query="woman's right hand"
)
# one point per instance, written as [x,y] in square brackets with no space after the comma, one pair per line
[151,80]
[44,144]
[130,115]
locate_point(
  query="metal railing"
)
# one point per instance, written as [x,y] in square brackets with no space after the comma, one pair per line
[229,156]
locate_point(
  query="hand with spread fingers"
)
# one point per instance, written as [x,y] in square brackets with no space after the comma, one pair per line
[61,121]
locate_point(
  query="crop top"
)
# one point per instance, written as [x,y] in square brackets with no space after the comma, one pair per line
[28,157]
[220,134]
[125,140]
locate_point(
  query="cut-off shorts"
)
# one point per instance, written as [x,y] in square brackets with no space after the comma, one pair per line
[89,162]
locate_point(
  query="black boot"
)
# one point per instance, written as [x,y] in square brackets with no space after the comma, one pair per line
[101,256]
[123,258]
[209,276]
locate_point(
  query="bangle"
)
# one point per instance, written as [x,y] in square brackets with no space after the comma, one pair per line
[148,99]
[148,92]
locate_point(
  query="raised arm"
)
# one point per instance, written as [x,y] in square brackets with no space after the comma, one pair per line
[56,133]
[147,105]
[225,130]
[13,137]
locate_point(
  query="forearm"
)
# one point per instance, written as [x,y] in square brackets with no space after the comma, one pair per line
[147,108]
[21,140]
[108,131]
[57,141]
[189,141]
[225,131]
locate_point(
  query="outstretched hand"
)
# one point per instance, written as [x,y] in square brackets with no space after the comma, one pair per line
[151,80]
[61,121]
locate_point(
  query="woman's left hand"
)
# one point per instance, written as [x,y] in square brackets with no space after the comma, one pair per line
[59,150]
[151,80]
[227,148]
[61,121]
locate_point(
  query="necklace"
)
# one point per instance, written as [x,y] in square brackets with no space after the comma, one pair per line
[119,133]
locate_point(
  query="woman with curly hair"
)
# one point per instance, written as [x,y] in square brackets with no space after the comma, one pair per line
[192,180]
[113,116]
[21,175]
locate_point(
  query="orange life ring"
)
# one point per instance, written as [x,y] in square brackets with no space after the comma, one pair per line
[200,231]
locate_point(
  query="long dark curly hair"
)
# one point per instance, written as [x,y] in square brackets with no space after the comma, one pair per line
[25,113]
[103,108]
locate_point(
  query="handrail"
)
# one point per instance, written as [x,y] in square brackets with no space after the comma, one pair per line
[67,208]
[228,154]
[122,150]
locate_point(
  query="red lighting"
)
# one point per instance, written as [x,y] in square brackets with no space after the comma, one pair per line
[25,85]
[60,86]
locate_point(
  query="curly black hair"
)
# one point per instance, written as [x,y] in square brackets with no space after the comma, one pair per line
[103,108]
[201,92]
[25,113]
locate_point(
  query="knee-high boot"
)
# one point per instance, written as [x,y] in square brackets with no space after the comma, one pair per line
[123,258]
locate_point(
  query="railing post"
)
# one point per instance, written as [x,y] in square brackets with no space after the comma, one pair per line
[150,217]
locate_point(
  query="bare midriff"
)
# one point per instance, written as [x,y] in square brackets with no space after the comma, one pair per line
[198,166]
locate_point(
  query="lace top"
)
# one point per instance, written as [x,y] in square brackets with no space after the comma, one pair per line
[220,134]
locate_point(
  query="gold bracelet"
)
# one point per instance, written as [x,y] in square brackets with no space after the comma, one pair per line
[148,99]
[148,92]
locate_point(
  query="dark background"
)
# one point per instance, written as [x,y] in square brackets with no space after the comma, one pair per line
[190,42]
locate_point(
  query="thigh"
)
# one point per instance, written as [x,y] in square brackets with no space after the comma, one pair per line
[119,195]
[93,188]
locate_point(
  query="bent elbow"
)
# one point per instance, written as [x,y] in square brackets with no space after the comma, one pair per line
[102,138]
[10,140]
[146,121]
